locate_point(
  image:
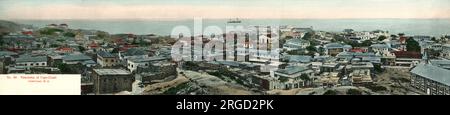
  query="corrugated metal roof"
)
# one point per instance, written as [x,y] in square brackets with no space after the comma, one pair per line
[433,73]
[105,54]
[32,59]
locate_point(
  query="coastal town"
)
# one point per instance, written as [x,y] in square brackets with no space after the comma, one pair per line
[308,62]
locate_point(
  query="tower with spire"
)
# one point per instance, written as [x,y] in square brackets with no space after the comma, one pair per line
[425,59]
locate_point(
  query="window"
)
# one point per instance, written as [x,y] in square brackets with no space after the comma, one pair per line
[31,64]
[43,63]
[37,64]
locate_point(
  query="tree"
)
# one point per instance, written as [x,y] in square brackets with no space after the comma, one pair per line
[353,92]
[412,45]
[296,52]
[366,43]
[381,38]
[433,39]
[69,34]
[304,77]
[64,68]
[54,45]
[283,79]
[50,31]
[321,50]
[308,36]
[311,49]
[81,48]
[115,50]
[1,41]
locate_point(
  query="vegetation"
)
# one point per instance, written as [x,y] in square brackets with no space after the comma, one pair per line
[64,68]
[102,35]
[304,77]
[50,31]
[308,36]
[412,45]
[353,92]
[1,41]
[365,43]
[115,50]
[176,89]
[69,34]
[376,88]
[300,52]
[330,92]
[381,38]
[283,79]
[81,48]
[378,68]
[54,45]
[311,49]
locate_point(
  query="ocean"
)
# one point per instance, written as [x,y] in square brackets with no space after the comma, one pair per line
[433,27]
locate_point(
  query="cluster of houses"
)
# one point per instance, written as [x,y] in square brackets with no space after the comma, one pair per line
[339,65]
[113,66]
[106,67]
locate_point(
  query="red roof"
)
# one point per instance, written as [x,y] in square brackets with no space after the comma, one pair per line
[93,45]
[64,49]
[407,54]
[27,32]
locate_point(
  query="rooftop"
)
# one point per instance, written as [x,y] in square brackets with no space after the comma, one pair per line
[7,53]
[379,46]
[334,45]
[112,72]
[292,69]
[299,58]
[433,73]
[32,59]
[76,57]
[134,51]
[146,59]
[105,54]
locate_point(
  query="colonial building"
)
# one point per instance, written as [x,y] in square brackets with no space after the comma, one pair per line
[333,49]
[156,72]
[30,61]
[106,59]
[294,44]
[112,80]
[134,63]
[291,76]
[431,77]
[361,77]
[75,58]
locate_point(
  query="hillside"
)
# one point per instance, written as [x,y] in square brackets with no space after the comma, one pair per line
[8,26]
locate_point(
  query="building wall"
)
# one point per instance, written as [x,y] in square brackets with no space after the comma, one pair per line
[132,66]
[429,86]
[107,62]
[32,64]
[335,51]
[112,83]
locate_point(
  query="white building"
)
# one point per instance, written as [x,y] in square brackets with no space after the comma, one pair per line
[29,61]
[134,63]
[294,44]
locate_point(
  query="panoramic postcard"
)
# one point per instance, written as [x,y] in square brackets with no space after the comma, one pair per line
[224,47]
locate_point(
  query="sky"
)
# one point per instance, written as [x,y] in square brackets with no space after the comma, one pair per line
[223,9]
